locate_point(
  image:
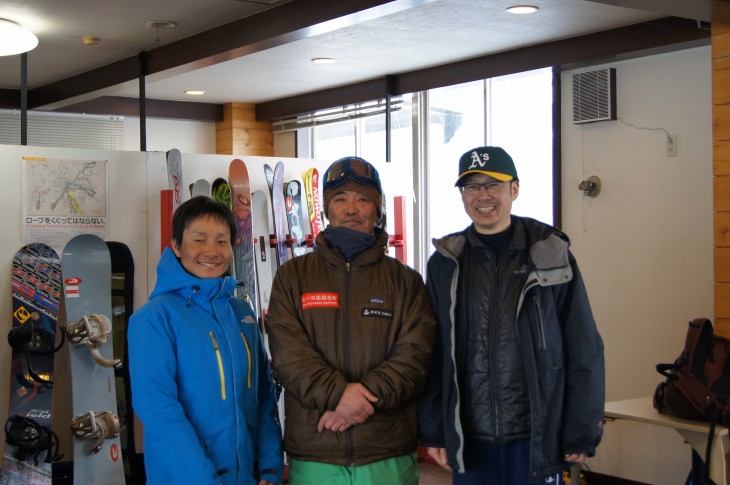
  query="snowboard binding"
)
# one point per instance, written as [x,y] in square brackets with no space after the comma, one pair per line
[92,331]
[28,340]
[30,438]
[98,426]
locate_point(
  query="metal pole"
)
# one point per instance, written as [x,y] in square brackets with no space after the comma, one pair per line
[142,102]
[24,99]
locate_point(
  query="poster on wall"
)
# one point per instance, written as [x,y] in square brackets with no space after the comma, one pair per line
[64,198]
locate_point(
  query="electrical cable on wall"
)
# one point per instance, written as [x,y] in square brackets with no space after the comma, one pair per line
[669,137]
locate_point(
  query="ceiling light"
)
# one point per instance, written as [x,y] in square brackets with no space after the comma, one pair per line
[522,9]
[14,39]
[324,60]
[195,92]
[90,40]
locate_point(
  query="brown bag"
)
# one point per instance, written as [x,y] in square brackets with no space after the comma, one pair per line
[697,384]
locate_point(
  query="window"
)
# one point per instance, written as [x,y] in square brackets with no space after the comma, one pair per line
[514,112]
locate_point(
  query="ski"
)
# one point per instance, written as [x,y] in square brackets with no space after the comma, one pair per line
[221,191]
[95,424]
[262,246]
[278,207]
[243,252]
[294,216]
[30,444]
[311,191]
[174,176]
[170,198]
[200,187]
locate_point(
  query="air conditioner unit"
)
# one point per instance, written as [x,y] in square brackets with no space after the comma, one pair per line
[594,96]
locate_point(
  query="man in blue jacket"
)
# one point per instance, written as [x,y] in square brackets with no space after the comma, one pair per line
[516,391]
[201,381]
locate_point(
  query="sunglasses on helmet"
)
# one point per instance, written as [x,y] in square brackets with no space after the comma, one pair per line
[351,168]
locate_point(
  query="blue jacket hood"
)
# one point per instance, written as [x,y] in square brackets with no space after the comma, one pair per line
[172,277]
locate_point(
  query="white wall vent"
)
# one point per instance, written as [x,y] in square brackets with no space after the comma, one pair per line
[594,96]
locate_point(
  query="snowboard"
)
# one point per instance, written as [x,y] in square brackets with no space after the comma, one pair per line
[311,192]
[36,289]
[294,216]
[200,187]
[262,246]
[122,297]
[95,424]
[243,253]
[278,207]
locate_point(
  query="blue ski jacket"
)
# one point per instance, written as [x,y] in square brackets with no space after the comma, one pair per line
[202,384]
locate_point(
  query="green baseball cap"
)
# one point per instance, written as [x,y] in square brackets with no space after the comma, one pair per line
[492,161]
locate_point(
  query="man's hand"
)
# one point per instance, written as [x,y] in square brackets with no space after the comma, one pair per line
[576,458]
[332,421]
[354,408]
[439,455]
[355,405]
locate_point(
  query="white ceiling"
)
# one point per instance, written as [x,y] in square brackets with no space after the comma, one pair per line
[431,33]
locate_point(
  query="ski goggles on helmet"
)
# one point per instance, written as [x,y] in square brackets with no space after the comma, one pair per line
[354,169]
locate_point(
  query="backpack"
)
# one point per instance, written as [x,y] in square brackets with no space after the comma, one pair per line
[697,384]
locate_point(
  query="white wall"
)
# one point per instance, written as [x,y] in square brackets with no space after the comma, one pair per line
[645,244]
[162,135]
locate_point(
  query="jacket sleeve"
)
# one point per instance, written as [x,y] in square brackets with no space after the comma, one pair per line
[585,369]
[269,453]
[430,406]
[402,377]
[168,435]
[302,371]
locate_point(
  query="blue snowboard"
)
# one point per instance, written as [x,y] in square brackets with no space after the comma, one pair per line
[87,293]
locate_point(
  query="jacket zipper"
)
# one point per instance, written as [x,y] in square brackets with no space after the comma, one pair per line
[348,375]
[248,355]
[540,327]
[220,366]
[493,333]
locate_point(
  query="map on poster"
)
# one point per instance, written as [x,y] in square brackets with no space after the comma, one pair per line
[64,198]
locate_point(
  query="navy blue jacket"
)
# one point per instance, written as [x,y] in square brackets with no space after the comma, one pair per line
[560,347]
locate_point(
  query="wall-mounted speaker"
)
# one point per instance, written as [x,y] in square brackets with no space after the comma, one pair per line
[594,96]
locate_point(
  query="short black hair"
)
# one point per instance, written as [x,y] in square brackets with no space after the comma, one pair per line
[201,206]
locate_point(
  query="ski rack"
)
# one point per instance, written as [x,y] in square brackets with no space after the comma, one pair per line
[167,208]
[398,240]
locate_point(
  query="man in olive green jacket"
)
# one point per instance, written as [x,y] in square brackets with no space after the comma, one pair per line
[351,332]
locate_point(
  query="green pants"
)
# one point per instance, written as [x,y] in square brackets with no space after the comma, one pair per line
[401,470]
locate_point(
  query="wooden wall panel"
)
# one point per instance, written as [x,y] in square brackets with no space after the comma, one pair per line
[239,133]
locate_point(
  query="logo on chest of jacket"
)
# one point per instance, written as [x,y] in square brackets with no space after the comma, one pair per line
[377,299]
[376,312]
[248,319]
[321,299]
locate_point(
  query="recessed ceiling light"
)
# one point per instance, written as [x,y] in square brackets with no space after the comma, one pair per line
[195,92]
[324,60]
[14,39]
[161,24]
[522,9]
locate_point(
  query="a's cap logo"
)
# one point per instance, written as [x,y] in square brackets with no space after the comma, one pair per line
[476,160]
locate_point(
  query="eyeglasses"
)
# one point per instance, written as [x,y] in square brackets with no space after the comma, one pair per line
[492,187]
[354,169]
